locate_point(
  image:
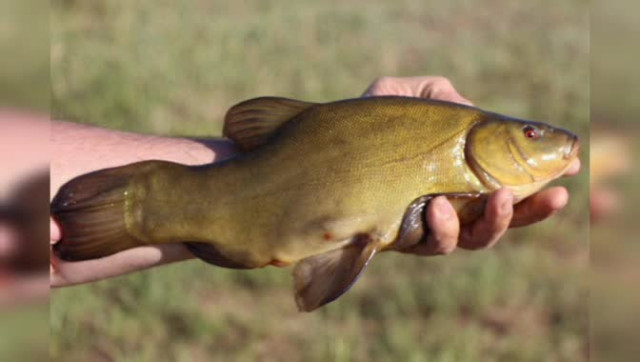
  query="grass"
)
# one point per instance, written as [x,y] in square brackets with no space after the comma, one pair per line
[175,67]
[24,42]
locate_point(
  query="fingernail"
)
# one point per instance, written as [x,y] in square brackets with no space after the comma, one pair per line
[443,210]
[507,204]
[462,100]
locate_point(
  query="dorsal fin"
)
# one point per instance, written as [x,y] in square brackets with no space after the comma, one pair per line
[251,123]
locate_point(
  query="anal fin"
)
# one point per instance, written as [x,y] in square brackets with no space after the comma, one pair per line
[210,254]
[323,278]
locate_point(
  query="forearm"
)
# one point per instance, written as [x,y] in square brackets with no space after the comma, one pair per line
[78,149]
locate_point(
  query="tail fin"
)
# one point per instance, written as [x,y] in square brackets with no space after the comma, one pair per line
[90,210]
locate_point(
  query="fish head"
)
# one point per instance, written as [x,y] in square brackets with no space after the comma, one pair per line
[520,155]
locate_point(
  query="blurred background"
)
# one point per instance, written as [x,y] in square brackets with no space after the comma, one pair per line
[24,180]
[174,68]
[615,252]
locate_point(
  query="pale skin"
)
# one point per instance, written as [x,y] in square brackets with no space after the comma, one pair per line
[17,130]
[78,149]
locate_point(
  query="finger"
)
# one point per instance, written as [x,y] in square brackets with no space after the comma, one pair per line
[486,231]
[454,98]
[53,262]
[574,168]
[54,231]
[444,228]
[440,88]
[128,261]
[8,241]
[393,86]
[539,206]
[431,87]
[54,236]
[374,90]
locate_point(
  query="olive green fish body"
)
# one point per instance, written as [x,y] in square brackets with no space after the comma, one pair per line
[301,206]
[328,185]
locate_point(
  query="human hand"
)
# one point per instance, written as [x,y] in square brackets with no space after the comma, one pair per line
[63,273]
[500,214]
[431,87]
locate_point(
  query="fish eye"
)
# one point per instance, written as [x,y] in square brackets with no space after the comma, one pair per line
[531,132]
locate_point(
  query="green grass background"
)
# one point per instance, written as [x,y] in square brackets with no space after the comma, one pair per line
[174,67]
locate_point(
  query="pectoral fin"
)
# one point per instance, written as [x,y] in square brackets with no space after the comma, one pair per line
[252,123]
[414,229]
[323,278]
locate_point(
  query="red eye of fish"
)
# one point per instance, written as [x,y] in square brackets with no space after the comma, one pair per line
[530,132]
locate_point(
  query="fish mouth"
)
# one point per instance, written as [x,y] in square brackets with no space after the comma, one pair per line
[573,149]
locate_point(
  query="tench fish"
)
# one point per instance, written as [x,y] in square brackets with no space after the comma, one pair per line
[326,186]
